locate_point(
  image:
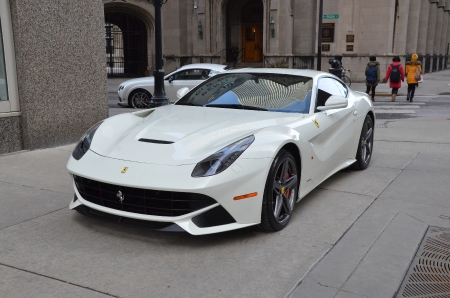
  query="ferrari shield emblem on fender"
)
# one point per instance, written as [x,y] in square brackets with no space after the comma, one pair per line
[316,123]
[124,170]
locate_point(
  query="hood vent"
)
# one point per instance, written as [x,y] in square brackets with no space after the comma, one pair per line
[155,141]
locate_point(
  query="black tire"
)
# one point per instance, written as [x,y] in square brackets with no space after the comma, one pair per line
[365,145]
[347,80]
[139,99]
[280,193]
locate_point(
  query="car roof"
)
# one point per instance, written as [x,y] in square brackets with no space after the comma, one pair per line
[204,65]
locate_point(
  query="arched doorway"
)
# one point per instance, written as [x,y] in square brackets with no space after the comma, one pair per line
[244,30]
[126,45]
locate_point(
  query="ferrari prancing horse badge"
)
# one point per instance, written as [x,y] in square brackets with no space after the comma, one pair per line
[316,123]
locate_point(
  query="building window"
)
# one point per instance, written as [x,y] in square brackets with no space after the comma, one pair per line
[3,79]
[9,95]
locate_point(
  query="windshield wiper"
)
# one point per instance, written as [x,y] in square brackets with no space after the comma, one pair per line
[236,106]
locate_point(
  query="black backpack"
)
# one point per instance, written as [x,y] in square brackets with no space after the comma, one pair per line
[371,74]
[395,73]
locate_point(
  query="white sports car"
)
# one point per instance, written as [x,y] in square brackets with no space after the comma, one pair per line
[238,150]
[136,93]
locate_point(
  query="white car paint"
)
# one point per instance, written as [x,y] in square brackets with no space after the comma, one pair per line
[171,87]
[197,132]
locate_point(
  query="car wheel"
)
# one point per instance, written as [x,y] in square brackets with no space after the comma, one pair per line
[365,145]
[280,193]
[139,99]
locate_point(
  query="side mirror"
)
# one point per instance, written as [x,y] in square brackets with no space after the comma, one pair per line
[171,79]
[334,102]
[182,92]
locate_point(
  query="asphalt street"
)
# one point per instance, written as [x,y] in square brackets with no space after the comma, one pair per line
[354,236]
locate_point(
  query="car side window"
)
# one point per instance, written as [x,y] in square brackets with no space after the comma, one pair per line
[195,74]
[191,75]
[342,87]
[326,88]
[177,76]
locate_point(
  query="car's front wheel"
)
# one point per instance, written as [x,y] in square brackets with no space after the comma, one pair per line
[280,193]
[139,99]
[365,145]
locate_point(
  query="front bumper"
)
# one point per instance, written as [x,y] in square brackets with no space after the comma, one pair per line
[122,102]
[243,177]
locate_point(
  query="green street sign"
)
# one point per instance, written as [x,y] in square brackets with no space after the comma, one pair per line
[331,16]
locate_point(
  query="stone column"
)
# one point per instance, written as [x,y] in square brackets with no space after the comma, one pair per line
[170,26]
[285,27]
[431,26]
[413,26]
[274,42]
[401,28]
[304,40]
[444,33]
[219,33]
[438,31]
[201,43]
[447,29]
[423,27]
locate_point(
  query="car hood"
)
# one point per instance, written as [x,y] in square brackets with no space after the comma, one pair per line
[177,135]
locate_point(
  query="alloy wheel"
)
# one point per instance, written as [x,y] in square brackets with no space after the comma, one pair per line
[367,141]
[140,100]
[284,190]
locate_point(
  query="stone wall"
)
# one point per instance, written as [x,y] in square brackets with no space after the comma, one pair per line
[60,55]
[10,134]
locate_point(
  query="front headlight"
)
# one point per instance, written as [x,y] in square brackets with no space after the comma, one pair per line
[85,142]
[222,159]
[121,87]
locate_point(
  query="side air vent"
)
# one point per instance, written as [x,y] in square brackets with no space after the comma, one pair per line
[155,141]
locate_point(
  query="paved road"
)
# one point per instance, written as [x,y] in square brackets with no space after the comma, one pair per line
[354,236]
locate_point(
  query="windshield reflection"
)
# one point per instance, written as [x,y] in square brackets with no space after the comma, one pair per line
[255,91]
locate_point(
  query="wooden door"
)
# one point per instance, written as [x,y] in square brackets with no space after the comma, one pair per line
[252,43]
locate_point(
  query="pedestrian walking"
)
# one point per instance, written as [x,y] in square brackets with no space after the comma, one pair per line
[372,75]
[396,75]
[413,72]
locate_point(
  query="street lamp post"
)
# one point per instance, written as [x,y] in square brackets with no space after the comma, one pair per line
[319,39]
[159,95]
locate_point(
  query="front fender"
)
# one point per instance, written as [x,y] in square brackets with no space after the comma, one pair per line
[270,140]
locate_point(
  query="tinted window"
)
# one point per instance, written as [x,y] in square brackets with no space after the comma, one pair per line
[326,88]
[3,82]
[191,74]
[272,92]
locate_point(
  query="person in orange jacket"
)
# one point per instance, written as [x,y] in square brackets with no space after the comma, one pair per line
[411,67]
[396,75]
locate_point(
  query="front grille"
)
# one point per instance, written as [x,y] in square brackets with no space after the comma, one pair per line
[139,200]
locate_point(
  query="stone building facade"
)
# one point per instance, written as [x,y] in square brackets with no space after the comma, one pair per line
[285,32]
[52,72]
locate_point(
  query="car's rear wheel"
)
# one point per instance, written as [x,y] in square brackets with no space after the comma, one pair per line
[139,99]
[280,193]
[365,145]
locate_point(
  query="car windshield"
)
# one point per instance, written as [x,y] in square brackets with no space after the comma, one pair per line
[255,91]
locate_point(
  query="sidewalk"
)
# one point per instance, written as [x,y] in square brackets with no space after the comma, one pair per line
[436,83]
[408,179]
[355,236]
